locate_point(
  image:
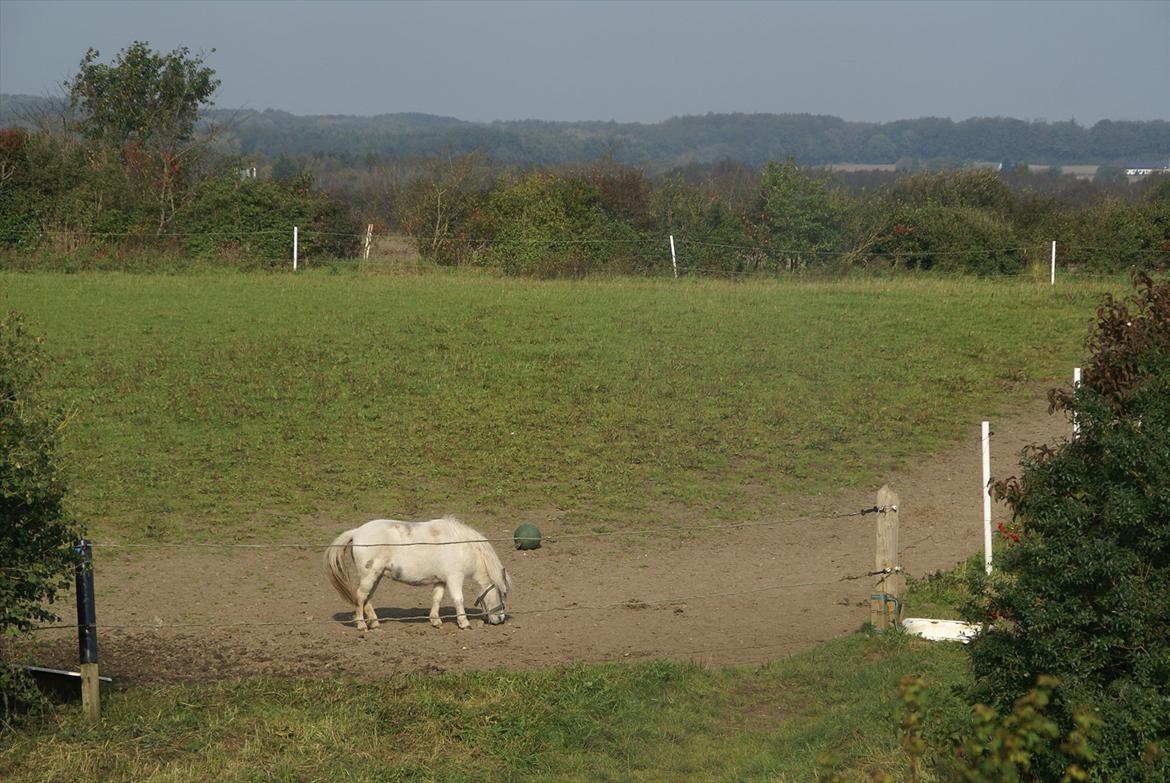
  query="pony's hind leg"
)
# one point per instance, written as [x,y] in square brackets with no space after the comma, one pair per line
[436,599]
[365,588]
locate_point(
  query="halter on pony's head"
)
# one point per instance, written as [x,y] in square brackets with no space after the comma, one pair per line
[496,614]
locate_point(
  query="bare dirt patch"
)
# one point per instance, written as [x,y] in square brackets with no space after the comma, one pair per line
[178,615]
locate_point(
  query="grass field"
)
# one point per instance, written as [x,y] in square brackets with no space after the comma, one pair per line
[230,406]
[832,708]
[220,406]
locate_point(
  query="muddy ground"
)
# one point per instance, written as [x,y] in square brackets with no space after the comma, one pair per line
[738,596]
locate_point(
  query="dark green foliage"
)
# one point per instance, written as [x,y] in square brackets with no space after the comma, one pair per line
[977,189]
[144,96]
[133,176]
[990,747]
[952,220]
[1113,234]
[35,535]
[710,236]
[138,117]
[1085,594]
[1110,175]
[798,223]
[548,225]
[251,221]
[954,238]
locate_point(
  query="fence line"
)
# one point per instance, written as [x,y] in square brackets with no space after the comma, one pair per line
[471,612]
[654,242]
[552,539]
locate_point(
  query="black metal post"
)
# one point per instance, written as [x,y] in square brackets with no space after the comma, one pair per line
[91,699]
[86,611]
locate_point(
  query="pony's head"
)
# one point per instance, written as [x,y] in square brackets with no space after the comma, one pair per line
[492,601]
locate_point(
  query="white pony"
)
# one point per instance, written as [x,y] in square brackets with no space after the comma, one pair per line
[441,552]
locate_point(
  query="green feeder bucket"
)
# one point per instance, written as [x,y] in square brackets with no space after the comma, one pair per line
[527,536]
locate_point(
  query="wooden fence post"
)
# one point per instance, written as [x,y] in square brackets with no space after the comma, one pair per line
[91,704]
[889,585]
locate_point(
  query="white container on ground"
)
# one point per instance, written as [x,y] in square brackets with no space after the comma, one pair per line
[940,630]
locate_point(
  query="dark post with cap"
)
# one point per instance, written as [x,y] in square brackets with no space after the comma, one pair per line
[87,631]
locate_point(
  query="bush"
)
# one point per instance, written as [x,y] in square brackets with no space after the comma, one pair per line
[709,236]
[975,189]
[989,747]
[251,221]
[952,238]
[1114,235]
[550,225]
[442,210]
[797,219]
[1085,593]
[35,535]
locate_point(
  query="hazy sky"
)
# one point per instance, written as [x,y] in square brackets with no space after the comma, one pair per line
[631,61]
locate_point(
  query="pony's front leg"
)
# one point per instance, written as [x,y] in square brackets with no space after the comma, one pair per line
[436,599]
[371,615]
[364,610]
[455,588]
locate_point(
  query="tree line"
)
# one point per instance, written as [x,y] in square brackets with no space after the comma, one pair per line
[731,218]
[131,162]
[752,138]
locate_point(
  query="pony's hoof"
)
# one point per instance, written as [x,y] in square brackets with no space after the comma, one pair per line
[436,623]
[361,627]
[464,626]
[375,624]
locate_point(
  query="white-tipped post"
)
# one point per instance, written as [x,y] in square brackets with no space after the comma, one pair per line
[986,441]
[1054,262]
[294,248]
[673,259]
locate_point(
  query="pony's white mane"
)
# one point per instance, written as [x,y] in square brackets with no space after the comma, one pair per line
[456,529]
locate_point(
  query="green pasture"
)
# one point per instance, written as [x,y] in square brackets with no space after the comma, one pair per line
[250,407]
[829,709]
[229,406]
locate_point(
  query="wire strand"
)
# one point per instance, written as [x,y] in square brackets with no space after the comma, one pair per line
[552,538]
[627,604]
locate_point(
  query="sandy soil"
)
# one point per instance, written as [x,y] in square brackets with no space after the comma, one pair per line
[669,598]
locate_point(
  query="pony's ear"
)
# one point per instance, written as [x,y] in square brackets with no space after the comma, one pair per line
[507,581]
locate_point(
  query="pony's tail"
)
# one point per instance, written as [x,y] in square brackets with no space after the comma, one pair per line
[496,571]
[339,566]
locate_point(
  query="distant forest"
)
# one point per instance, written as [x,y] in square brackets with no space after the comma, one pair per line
[753,139]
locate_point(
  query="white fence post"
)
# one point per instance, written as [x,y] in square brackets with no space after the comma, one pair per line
[1076,383]
[986,440]
[369,238]
[1054,262]
[294,248]
[673,259]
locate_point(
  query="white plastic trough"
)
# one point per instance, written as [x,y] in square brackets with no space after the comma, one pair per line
[940,630]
